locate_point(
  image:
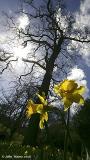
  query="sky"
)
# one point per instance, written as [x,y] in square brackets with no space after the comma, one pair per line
[72,5]
[6,5]
[82,16]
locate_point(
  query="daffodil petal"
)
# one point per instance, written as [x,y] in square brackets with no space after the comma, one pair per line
[40,108]
[41,124]
[57,89]
[30,102]
[81,102]
[67,103]
[43,117]
[80,90]
[43,101]
[77,98]
[31,110]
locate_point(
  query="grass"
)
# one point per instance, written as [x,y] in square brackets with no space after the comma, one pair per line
[15,151]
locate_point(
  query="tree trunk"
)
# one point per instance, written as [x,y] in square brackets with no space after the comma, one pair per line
[44,88]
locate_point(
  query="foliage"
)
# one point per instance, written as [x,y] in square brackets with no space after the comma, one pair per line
[82,123]
[34,153]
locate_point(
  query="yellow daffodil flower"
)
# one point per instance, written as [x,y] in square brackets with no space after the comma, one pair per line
[33,108]
[69,91]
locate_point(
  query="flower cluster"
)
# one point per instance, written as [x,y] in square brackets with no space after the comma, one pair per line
[68,90]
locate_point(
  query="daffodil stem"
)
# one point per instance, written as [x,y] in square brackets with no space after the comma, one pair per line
[66,123]
[56,110]
[66,136]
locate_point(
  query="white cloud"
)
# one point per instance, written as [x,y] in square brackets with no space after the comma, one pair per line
[23,21]
[83,17]
[76,73]
[79,75]
[82,22]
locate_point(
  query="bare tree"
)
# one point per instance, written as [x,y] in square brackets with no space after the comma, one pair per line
[5,60]
[51,36]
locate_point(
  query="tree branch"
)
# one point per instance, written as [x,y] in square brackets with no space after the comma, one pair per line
[75,39]
[8,65]
[35,62]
